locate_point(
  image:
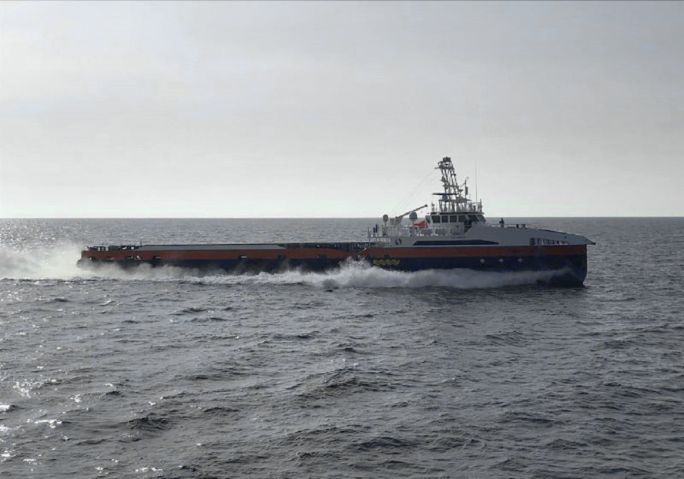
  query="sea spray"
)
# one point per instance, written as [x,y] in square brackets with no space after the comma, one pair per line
[50,262]
[58,262]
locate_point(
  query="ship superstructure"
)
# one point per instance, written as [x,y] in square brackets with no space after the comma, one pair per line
[453,214]
[453,234]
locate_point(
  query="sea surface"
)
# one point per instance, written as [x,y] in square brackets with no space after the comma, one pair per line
[357,372]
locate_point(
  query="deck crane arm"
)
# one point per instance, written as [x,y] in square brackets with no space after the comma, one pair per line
[397,219]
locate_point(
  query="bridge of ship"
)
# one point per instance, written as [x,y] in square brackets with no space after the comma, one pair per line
[453,215]
[436,223]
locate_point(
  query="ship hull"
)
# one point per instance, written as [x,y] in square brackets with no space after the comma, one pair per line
[567,265]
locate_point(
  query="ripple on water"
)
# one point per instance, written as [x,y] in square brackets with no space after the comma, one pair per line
[387,375]
[149,423]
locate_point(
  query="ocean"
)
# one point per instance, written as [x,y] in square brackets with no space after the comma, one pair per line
[357,372]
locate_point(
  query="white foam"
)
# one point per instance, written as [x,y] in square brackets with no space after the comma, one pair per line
[59,263]
[361,275]
[53,423]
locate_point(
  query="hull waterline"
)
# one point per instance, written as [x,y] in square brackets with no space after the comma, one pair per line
[567,265]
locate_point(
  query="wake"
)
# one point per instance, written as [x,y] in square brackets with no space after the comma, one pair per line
[59,263]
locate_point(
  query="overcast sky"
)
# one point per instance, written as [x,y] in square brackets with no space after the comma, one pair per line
[339,109]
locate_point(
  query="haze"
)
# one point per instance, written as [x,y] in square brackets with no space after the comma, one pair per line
[339,109]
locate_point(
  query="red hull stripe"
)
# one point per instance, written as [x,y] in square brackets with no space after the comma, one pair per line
[330,253]
[171,255]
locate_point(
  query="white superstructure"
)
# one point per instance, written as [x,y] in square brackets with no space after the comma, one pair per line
[455,220]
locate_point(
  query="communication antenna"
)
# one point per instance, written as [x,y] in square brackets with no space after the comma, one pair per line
[475,179]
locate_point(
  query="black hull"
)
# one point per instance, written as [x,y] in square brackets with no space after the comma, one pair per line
[566,271]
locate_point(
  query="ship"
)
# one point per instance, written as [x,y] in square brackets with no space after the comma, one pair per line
[453,234]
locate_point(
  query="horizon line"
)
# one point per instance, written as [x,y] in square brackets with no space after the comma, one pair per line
[286,217]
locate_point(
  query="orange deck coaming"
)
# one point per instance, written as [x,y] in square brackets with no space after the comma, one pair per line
[314,253]
[183,255]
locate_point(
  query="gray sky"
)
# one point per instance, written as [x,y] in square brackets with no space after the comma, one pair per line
[339,109]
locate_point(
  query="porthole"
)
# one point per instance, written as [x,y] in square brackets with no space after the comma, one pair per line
[482,261]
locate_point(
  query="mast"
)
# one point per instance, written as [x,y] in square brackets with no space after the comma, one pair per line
[455,198]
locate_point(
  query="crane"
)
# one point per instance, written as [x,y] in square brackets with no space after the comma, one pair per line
[397,219]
